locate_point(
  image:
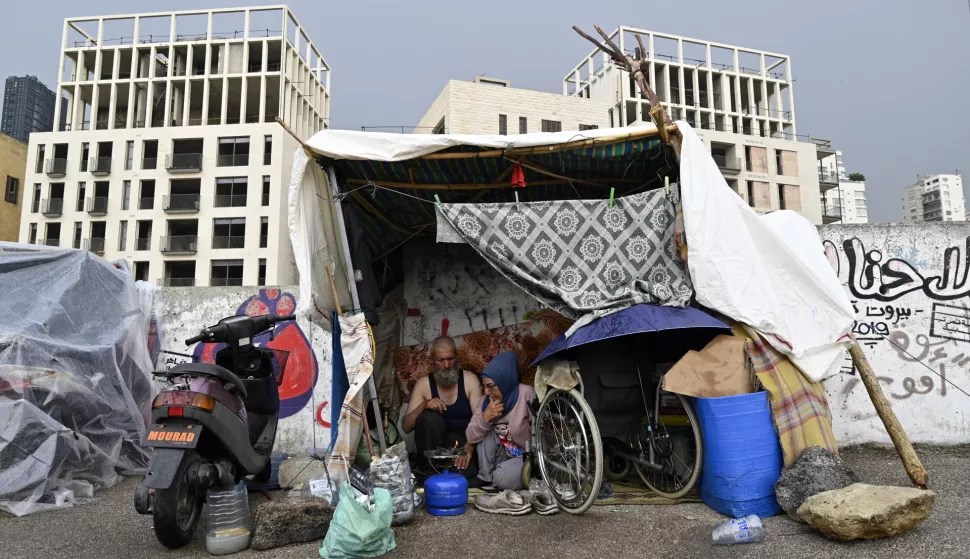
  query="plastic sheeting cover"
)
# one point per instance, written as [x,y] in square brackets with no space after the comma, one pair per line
[75,376]
[769,272]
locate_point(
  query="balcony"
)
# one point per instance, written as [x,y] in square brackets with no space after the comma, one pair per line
[49,242]
[100,166]
[831,213]
[53,207]
[230,201]
[238,160]
[229,242]
[143,243]
[184,163]
[149,163]
[146,203]
[176,282]
[827,179]
[728,164]
[182,244]
[94,244]
[181,203]
[98,206]
[56,168]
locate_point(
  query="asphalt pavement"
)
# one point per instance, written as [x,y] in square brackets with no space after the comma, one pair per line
[109,527]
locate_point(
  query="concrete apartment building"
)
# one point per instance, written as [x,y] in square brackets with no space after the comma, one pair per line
[491,106]
[28,106]
[13,163]
[934,198]
[740,101]
[171,157]
[849,199]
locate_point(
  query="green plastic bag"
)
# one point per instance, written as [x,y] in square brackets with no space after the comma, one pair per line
[357,532]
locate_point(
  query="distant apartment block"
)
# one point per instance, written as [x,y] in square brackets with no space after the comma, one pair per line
[492,106]
[848,199]
[28,106]
[740,101]
[934,198]
[171,156]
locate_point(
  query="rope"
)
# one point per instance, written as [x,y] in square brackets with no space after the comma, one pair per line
[931,369]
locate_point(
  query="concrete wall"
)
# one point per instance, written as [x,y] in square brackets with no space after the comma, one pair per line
[474,108]
[305,392]
[13,163]
[909,285]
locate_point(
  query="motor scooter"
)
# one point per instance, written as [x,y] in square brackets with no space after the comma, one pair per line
[212,425]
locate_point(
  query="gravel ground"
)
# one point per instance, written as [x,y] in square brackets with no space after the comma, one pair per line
[110,527]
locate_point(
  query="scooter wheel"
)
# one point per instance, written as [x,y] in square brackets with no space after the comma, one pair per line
[177,509]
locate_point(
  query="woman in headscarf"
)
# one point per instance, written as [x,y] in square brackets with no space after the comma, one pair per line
[501,426]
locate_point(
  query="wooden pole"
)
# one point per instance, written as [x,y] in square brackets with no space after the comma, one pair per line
[911,461]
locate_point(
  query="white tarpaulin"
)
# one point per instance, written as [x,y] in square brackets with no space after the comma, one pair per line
[381,146]
[769,272]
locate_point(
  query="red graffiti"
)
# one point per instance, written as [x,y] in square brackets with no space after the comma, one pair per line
[444,326]
[320,416]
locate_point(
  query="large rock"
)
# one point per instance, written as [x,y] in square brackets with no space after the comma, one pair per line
[816,470]
[290,520]
[297,470]
[862,511]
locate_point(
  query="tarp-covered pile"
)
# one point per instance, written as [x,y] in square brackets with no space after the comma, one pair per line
[75,376]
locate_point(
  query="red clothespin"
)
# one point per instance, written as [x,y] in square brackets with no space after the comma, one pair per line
[518,176]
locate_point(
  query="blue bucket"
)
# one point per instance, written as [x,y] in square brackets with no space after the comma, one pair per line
[742,455]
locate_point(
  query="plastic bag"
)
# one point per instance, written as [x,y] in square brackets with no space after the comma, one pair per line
[393,472]
[356,531]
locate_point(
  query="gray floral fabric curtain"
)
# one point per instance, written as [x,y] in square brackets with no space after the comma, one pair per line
[583,258]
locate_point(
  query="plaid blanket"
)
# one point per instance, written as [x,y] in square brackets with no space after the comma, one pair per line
[355,342]
[799,408]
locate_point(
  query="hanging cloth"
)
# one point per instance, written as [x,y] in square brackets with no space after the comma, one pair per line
[518,176]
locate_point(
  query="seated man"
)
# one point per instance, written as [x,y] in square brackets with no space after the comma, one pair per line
[441,406]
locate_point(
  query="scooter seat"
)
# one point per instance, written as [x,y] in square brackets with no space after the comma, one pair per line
[210,370]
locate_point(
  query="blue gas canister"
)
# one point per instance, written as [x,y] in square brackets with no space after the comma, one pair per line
[446,494]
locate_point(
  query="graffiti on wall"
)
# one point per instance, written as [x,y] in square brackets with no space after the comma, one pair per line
[910,289]
[300,374]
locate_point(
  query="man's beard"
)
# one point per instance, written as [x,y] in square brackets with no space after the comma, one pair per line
[446,377]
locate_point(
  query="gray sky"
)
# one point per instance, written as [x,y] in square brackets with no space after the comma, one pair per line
[886,81]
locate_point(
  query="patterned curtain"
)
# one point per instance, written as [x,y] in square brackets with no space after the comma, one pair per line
[582,258]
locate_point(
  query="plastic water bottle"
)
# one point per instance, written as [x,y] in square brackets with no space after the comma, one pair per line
[739,530]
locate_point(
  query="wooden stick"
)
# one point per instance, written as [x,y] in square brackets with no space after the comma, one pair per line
[484,185]
[911,461]
[333,290]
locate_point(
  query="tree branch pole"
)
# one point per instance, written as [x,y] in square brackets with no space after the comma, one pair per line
[911,461]
[637,67]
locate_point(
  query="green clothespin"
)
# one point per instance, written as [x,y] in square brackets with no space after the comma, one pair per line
[436,199]
[612,190]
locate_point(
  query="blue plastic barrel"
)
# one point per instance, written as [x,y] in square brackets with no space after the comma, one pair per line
[742,455]
[446,494]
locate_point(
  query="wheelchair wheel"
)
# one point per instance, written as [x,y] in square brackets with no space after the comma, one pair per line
[569,450]
[671,449]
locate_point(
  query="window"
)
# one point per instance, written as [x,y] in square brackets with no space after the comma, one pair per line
[551,126]
[77,234]
[781,197]
[85,153]
[265,199]
[13,188]
[523,125]
[129,155]
[149,154]
[125,194]
[146,200]
[503,125]
[141,271]
[32,234]
[35,201]
[53,236]
[231,192]
[440,127]
[267,150]
[229,233]
[588,127]
[226,272]
[39,166]
[263,232]
[80,197]
[261,279]
[123,237]
[233,152]
[144,231]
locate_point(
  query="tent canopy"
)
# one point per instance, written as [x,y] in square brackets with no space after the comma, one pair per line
[478,168]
